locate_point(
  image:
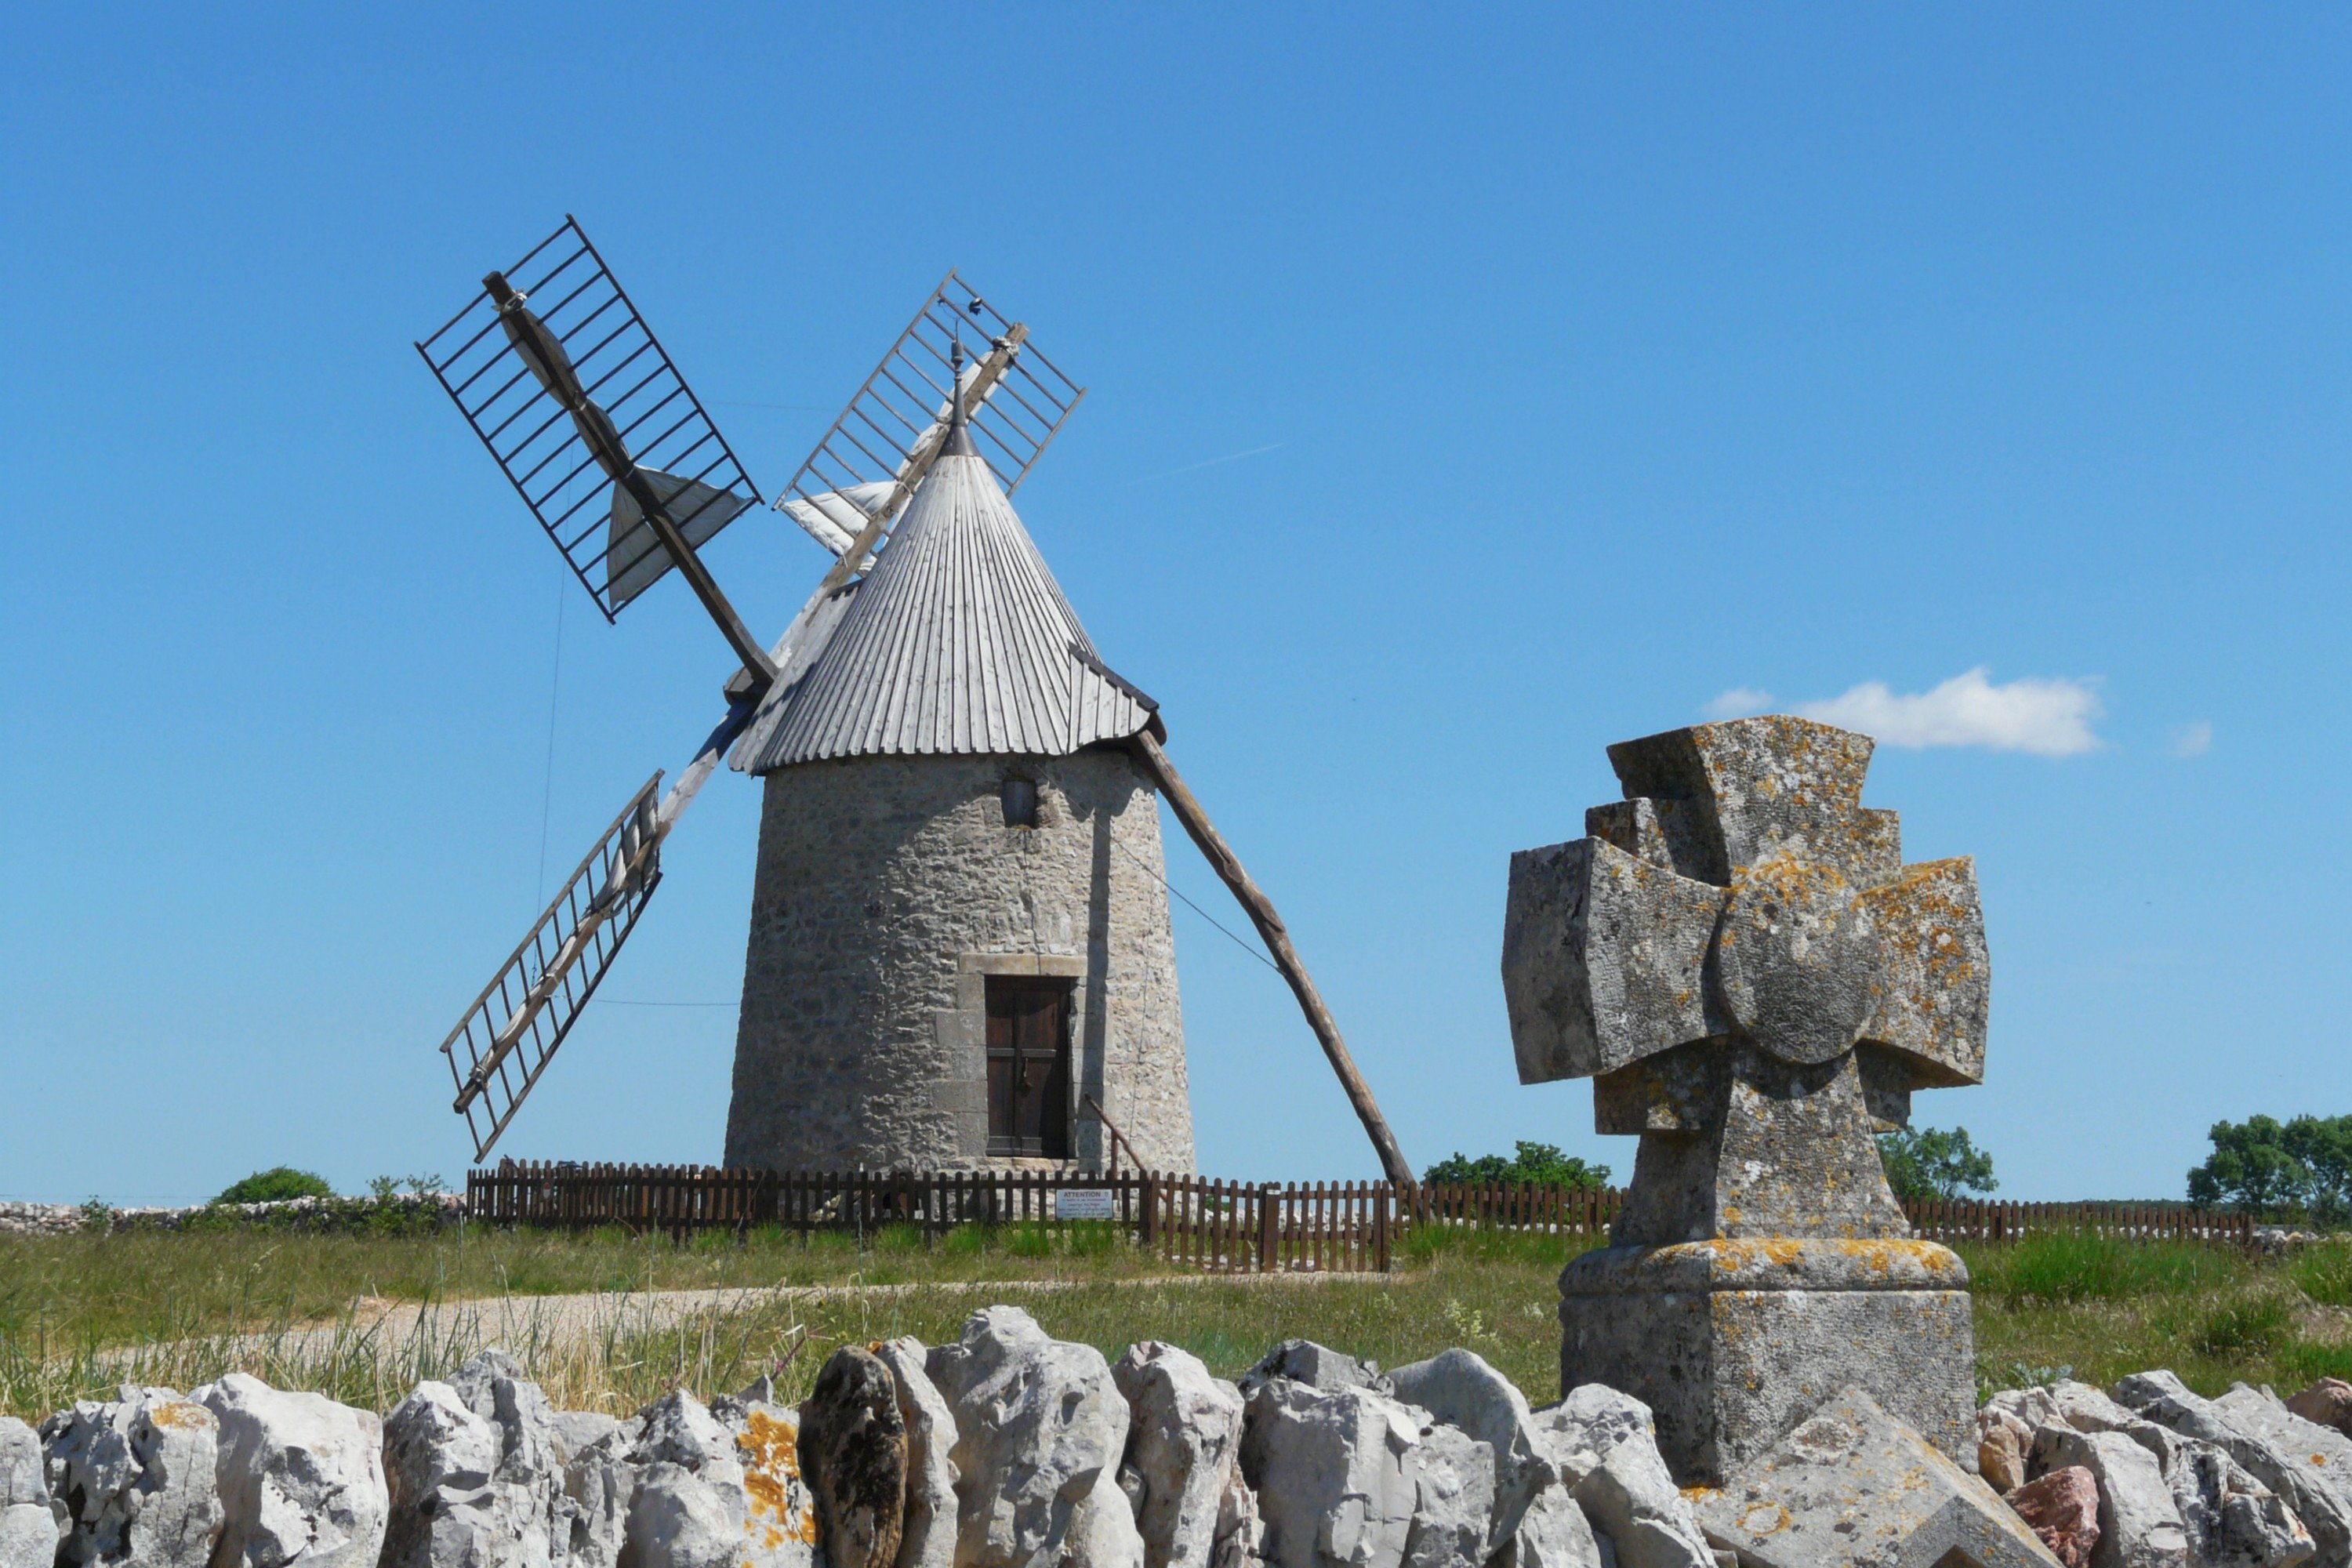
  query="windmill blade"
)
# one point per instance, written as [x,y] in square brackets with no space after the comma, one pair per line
[853,484]
[634,557]
[512,1031]
[834,518]
[592,423]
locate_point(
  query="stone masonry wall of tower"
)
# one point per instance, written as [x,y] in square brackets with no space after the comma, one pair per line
[887,889]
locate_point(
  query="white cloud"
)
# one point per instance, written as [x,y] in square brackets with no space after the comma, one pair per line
[2050,718]
[1739,702]
[2192,739]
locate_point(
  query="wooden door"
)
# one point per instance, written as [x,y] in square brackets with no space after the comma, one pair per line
[1028,1067]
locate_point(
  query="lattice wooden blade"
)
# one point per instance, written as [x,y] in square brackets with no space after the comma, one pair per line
[558,389]
[514,1028]
[878,450]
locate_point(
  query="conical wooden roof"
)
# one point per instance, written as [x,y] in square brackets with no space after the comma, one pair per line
[958,642]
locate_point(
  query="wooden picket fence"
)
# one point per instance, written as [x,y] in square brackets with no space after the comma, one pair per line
[1195,1221]
[681,1199]
[1262,1227]
[1982,1219]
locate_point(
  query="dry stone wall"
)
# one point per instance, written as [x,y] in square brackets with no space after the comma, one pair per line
[1007,1448]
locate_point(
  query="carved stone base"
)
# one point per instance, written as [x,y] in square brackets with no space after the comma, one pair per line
[1733,1343]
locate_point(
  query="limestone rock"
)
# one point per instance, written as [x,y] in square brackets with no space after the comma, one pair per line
[439,1458]
[2001,1459]
[2328,1403]
[530,1441]
[1317,1366]
[599,1482]
[301,1477]
[1241,1529]
[853,1448]
[2232,1519]
[1460,1388]
[2139,1522]
[2284,1453]
[489,1490]
[1039,1425]
[706,1496]
[28,1529]
[679,1430]
[2086,1409]
[2025,1410]
[680,1520]
[1103,1533]
[578,1430]
[1605,1450]
[1183,1447]
[135,1479]
[2227,1514]
[1453,1500]
[928,1535]
[779,1515]
[1553,1533]
[1335,1473]
[1852,1486]
[2063,1508]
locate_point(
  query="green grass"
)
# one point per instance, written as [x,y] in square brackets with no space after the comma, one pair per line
[79,1292]
[2105,1307]
[80,1313]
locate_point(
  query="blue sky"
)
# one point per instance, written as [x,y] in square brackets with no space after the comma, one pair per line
[1470,388]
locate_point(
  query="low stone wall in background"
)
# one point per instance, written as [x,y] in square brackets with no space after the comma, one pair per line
[293,1213]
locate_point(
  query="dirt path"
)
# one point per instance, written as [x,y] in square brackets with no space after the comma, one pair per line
[541,1324]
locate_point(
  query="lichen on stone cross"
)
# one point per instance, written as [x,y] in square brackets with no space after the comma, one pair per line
[1739,959]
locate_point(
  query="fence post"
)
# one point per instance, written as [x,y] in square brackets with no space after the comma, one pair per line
[1150,1209]
[1268,1222]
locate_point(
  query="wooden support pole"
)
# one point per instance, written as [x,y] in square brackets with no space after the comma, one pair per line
[1276,937]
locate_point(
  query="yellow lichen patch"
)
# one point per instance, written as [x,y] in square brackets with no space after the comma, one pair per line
[771,1447]
[180,1414]
[1765,1518]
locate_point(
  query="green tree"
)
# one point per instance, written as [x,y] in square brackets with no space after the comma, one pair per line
[1929,1163]
[2323,1145]
[2252,1168]
[1534,1165]
[275,1186]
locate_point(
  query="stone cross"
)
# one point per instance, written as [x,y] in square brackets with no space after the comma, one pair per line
[1739,959]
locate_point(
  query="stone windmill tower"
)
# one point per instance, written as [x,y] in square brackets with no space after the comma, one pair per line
[960,951]
[960,931]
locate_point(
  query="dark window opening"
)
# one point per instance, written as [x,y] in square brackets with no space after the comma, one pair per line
[1020,798]
[1028,1067]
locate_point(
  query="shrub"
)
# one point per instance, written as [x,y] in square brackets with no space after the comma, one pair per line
[1534,1165]
[276,1184]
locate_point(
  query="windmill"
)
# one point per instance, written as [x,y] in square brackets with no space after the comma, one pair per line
[561,379]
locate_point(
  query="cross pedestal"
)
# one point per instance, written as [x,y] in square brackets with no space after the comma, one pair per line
[1754,979]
